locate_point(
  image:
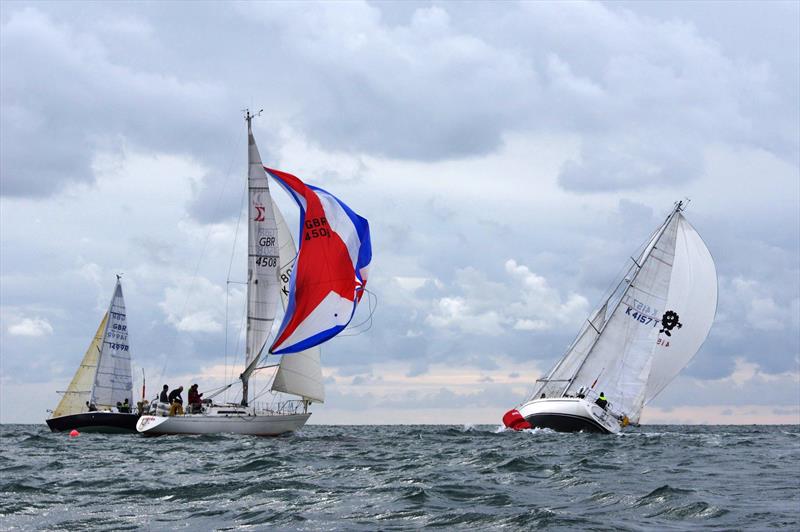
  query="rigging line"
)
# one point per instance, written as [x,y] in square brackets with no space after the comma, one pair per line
[215,210]
[228,279]
[369,319]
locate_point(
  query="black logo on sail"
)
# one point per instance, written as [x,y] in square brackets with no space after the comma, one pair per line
[669,321]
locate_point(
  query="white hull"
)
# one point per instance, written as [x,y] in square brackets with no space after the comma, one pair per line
[568,414]
[219,422]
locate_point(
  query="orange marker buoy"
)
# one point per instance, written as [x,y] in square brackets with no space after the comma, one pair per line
[74,433]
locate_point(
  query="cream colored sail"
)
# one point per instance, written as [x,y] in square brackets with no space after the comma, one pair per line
[300,373]
[80,388]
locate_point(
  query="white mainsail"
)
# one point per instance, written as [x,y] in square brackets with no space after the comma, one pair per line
[300,373]
[80,387]
[262,263]
[619,362]
[693,299]
[113,382]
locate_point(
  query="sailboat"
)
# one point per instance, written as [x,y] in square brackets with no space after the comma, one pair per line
[102,381]
[641,336]
[273,264]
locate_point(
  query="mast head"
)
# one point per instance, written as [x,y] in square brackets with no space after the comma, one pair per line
[248,117]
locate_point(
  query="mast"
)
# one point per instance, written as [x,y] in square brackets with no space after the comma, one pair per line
[245,376]
[262,259]
[638,267]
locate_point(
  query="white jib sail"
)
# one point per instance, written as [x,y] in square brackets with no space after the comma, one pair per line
[620,360]
[262,262]
[693,299]
[80,387]
[113,382]
[300,373]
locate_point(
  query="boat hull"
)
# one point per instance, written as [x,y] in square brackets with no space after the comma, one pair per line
[254,425]
[568,414]
[103,422]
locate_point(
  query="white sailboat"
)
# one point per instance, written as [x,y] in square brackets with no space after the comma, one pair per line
[640,338]
[271,258]
[102,381]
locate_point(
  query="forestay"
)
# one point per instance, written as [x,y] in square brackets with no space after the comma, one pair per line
[113,382]
[300,373]
[331,269]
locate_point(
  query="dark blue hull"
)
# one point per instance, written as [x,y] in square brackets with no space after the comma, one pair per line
[565,423]
[105,422]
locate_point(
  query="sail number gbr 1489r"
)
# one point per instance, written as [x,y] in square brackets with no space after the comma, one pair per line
[316,228]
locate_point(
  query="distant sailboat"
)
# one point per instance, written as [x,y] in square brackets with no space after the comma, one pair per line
[103,380]
[639,339]
[277,271]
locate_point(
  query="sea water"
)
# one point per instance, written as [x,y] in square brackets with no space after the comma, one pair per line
[404,477]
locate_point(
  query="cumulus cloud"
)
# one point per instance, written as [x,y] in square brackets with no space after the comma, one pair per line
[522,301]
[196,305]
[31,327]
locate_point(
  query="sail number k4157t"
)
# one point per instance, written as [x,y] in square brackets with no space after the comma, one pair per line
[641,317]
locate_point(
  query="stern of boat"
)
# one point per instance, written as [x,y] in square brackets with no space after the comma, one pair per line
[147,424]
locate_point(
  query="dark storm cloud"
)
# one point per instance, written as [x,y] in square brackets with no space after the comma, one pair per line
[423,83]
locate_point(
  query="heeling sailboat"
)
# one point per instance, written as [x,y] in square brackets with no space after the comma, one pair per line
[635,343]
[273,265]
[102,380]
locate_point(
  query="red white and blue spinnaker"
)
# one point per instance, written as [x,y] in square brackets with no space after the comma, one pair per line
[330,274]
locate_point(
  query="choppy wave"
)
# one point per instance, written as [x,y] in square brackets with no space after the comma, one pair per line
[401,477]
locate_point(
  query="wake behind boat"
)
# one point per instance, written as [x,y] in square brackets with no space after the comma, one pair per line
[100,395]
[660,314]
[319,288]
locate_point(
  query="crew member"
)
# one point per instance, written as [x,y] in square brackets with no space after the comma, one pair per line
[126,407]
[195,404]
[602,402]
[164,398]
[176,401]
[91,407]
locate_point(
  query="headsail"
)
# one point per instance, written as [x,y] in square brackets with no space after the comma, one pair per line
[80,387]
[113,382]
[299,373]
[693,300]
[262,261]
[331,271]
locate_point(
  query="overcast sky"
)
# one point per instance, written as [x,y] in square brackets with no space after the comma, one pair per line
[510,157]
